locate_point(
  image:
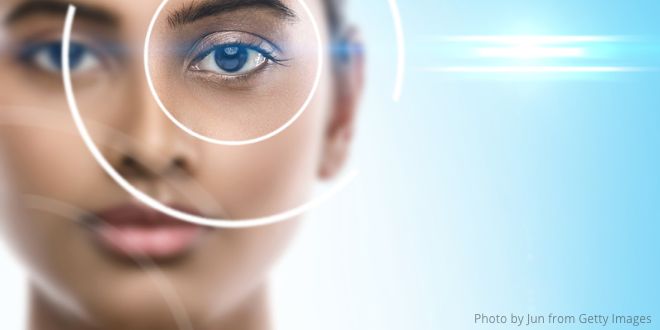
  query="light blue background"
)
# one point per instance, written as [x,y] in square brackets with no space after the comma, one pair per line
[485,195]
[494,196]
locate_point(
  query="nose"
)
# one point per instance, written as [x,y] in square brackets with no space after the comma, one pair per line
[152,146]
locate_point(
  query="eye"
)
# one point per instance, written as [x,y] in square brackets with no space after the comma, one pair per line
[48,57]
[232,60]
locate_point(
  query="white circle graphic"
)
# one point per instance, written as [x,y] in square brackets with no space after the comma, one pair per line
[308,100]
[150,201]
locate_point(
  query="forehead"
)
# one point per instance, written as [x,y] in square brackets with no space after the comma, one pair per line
[131,10]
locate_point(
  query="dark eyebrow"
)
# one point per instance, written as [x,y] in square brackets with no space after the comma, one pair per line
[59,8]
[207,8]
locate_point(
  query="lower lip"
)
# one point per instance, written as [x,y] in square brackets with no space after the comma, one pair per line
[154,242]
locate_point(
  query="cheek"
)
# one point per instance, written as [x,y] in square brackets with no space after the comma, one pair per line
[272,176]
[39,144]
[45,157]
[39,163]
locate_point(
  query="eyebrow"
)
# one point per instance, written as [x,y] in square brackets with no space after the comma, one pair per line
[207,8]
[31,8]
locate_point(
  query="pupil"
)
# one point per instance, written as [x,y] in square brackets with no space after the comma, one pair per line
[231,58]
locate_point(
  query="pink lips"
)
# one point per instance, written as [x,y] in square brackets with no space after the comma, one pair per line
[137,231]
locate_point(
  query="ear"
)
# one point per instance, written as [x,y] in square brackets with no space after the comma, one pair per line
[349,81]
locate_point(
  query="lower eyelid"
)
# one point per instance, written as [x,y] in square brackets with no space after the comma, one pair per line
[213,81]
[220,81]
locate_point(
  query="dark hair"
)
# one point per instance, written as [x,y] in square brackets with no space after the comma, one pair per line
[335,12]
[341,47]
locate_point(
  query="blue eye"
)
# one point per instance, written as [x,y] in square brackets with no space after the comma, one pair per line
[48,57]
[232,60]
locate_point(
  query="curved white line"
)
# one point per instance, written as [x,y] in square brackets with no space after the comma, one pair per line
[401,50]
[146,199]
[167,290]
[303,108]
[528,39]
[533,69]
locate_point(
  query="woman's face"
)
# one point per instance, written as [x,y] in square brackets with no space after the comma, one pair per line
[230,70]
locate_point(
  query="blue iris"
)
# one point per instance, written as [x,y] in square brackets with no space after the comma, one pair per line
[231,58]
[53,52]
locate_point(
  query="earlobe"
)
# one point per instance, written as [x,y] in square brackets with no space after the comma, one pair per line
[349,80]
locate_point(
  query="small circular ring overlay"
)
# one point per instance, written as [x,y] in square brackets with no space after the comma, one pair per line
[155,204]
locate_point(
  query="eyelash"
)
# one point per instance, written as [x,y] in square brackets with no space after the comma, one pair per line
[269,55]
[221,40]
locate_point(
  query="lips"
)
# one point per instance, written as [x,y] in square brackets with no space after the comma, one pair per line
[136,231]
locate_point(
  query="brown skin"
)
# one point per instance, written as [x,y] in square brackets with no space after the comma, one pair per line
[222,282]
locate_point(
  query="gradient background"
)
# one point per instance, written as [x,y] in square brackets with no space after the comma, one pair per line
[483,194]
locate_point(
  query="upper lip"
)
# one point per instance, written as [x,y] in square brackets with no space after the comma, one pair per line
[139,215]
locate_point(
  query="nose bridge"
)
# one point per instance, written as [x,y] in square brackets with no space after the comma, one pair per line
[149,123]
[158,143]
[155,142]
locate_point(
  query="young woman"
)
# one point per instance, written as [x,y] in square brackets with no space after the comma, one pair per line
[228,69]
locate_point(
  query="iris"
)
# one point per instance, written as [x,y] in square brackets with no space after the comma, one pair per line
[231,58]
[49,55]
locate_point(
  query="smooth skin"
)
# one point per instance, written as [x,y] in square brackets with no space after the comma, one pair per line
[52,181]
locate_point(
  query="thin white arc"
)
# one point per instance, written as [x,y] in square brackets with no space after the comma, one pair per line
[401,50]
[532,39]
[310,97]
[533,69]
[524,52]
[146,199]
[168,292]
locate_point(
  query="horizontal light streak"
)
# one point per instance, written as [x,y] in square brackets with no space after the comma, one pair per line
[525,51]
[529,39]
[532,69]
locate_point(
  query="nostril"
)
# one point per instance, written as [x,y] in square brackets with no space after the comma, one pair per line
[130,166]
[129,162]
[179,163]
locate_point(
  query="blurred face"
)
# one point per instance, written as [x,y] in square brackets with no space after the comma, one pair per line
[230,70]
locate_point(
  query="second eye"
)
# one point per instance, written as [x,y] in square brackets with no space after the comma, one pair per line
[231,60]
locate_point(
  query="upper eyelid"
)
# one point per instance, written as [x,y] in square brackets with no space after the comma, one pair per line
[251,34]
[97,47]
[203,47]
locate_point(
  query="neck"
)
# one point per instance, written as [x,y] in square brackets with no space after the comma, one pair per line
[251,314]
